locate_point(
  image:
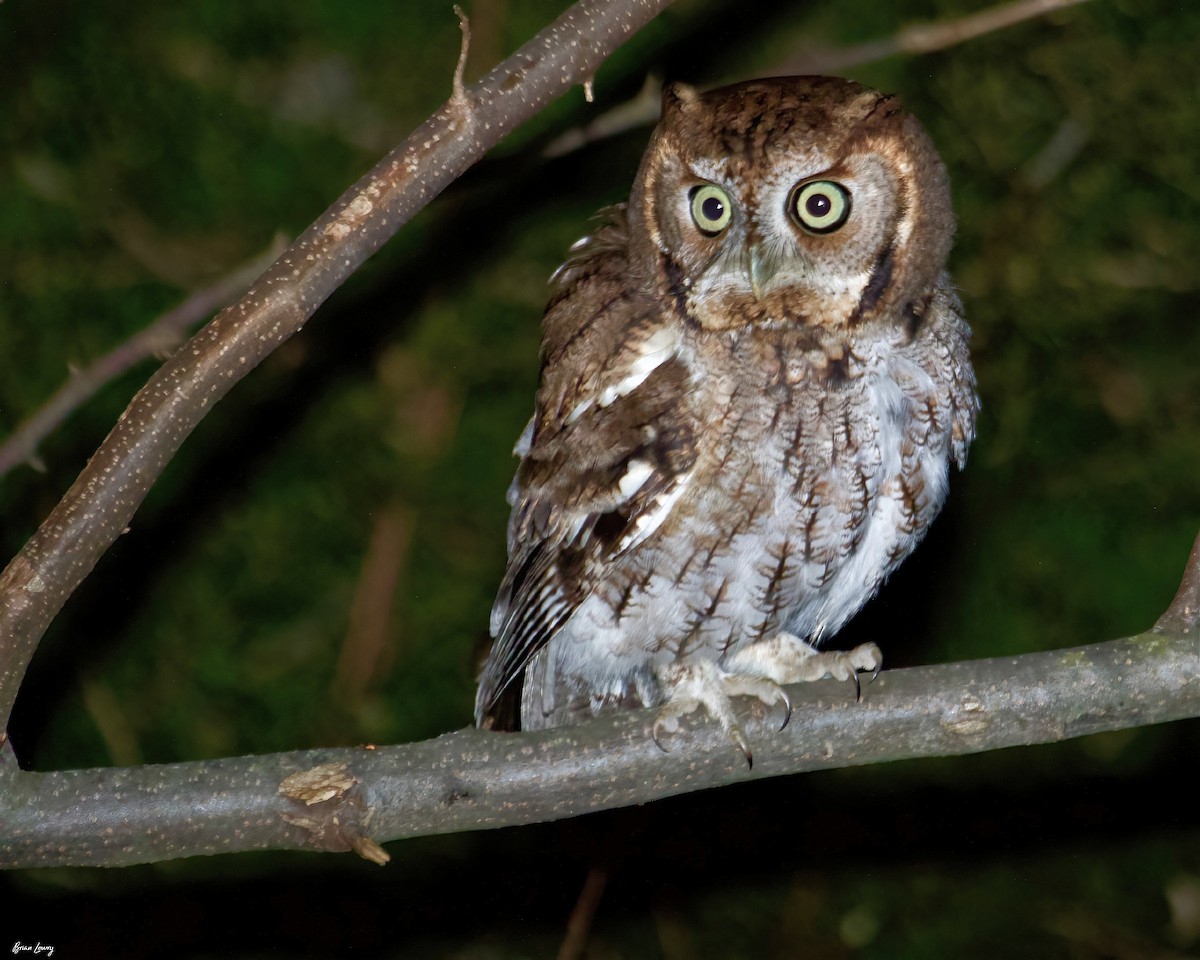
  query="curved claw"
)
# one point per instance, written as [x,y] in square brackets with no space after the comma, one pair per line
[857,687]
[655,733]
[875,672]
[787,704]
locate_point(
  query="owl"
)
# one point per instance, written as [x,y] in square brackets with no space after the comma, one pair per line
[754,378]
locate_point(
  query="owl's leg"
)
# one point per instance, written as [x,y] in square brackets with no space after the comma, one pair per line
[760,670]
[787,659]
[689,686]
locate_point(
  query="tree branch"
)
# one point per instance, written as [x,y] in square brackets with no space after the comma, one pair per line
[160,337]
[101,502]
[925,37]
[472,780]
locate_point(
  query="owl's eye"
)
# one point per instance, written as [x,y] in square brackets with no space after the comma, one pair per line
[711,209]
[821,206]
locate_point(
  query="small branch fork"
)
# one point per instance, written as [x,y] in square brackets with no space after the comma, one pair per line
[102,501]
[1182,617]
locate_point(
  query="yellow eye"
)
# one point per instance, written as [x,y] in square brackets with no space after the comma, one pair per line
[711,209]
[821,206]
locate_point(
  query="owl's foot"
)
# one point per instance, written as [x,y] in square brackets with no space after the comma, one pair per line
[704,684]
[788,659]
[760,670]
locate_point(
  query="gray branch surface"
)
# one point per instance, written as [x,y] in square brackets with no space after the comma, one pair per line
[102,501]
[354,798]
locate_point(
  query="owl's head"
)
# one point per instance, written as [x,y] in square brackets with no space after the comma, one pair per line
[799,199]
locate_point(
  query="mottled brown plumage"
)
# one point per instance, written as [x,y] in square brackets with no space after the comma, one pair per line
[754,378]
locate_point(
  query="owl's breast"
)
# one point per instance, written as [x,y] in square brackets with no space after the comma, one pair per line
[819,472]
[814,470]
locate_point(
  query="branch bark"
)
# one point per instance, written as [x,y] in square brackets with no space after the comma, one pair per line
[351,799]
[101,502]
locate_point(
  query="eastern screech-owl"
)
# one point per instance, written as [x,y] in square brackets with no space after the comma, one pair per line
[754,378]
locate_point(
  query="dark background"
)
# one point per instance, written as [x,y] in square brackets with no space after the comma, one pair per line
[148,148]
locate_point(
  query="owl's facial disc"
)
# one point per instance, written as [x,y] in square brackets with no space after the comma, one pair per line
[804,239]
[819,208]
[711,209]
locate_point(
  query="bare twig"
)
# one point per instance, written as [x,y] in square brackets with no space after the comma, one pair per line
[156,340]
[100,504]
[920,38]
[365,649]
[579,924]
[925,37]
[641,111]
[1064,146]
[458,90]
[474,780]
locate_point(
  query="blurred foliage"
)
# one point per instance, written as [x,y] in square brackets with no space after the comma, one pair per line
[317,564]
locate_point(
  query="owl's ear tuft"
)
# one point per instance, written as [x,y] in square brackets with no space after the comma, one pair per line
[678,98]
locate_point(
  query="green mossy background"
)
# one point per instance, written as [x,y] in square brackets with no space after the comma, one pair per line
[148,148]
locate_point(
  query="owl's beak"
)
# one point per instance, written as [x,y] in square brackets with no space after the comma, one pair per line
[760,269]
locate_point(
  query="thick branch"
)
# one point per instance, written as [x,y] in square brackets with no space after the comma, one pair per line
[100,504]
[472,780]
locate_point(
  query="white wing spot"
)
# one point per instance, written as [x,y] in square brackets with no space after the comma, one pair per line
[638,472]
[525,440]
[652,353]
[580,409]
[652,519]
[656,350]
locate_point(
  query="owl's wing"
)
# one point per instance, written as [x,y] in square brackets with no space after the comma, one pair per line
[604,459]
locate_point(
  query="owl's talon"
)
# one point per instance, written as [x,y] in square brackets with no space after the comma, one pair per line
[663,723]
[668,723]
[865,656]
[687,688]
